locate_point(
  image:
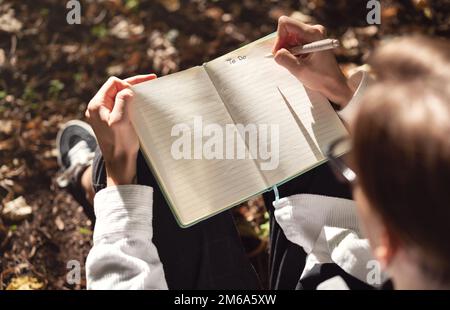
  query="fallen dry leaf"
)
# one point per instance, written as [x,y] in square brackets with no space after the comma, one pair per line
[59,223]
[389,12]
[9,23]
[25,283]
[6,126]
[123,29]
[170,5]
[8,144]
[16,210]
[2,57]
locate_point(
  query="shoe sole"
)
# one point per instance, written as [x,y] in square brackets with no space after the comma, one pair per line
[71,123]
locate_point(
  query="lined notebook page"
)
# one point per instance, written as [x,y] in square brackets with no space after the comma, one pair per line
[257,90]
[195,188]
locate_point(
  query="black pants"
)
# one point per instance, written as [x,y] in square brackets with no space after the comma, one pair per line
[209,255]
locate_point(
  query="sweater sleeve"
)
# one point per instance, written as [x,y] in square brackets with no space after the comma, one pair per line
[328,230]
[303,216]
[123,255]
[359,82]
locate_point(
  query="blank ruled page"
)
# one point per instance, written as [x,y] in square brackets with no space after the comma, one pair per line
[257,90]
[196,188]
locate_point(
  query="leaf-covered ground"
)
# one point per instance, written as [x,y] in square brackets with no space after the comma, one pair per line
[49,70]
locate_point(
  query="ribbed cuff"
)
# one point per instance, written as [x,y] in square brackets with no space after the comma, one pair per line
[123,209]
[303,216]
[359,82]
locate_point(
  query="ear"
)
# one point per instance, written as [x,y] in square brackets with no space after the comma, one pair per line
[387,247]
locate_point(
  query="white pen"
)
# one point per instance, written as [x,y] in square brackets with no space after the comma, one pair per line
[316,46]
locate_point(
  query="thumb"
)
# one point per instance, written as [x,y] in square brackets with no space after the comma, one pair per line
[120,109]
[285,59]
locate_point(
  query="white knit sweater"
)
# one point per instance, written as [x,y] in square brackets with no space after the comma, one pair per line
[124,256]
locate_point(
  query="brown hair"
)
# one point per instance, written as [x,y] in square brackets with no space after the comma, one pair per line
[402,146]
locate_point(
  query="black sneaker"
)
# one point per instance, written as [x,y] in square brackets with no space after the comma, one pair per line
[76,146]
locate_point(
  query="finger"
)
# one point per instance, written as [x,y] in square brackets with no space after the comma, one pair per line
[120,109]
[93,109]
[306,33]
[284,58]
[140,78]
[293,32]
[111,87]
[321,29]
[104,114]
[281,35]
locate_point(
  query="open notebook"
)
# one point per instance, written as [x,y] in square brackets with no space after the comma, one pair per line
[243,87]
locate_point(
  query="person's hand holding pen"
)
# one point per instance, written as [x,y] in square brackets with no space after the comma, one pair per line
[318,71]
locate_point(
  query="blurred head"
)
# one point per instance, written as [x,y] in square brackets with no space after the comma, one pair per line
[401,155]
